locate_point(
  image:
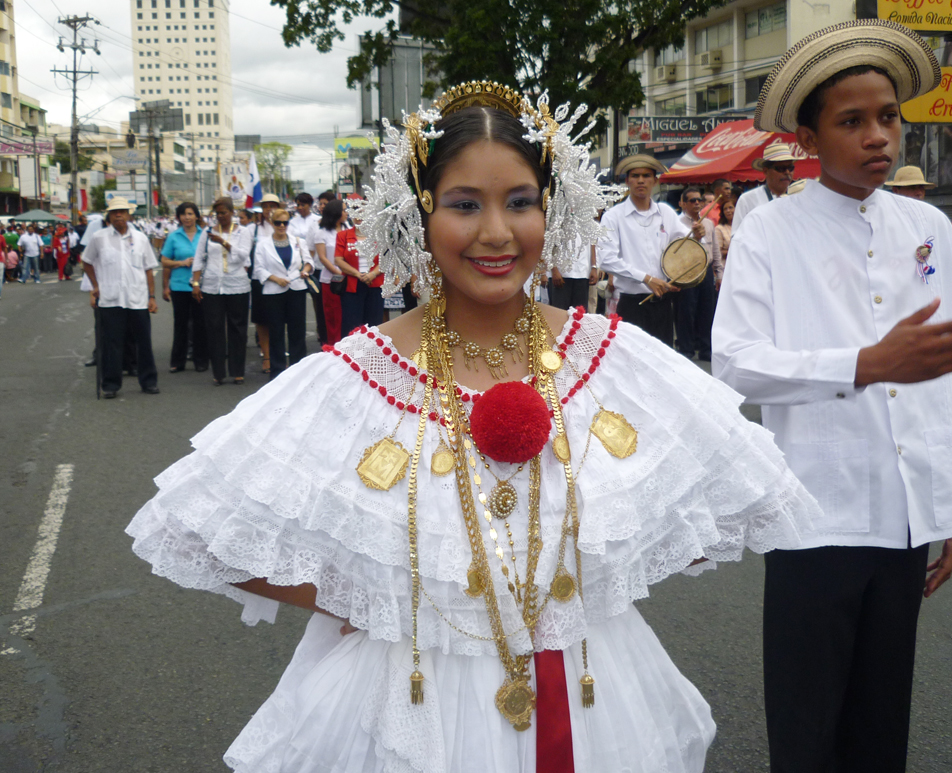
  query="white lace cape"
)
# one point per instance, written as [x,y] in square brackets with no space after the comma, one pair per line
[271,491]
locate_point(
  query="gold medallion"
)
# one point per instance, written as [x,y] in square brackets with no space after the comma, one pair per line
[560,447]
[475,579]
[503,499]
[383,464]
[617,435]
[419,357]
[551,361]
[442,462]
[516,701]
[563,586]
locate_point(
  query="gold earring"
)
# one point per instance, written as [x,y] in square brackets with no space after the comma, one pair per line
[426,201]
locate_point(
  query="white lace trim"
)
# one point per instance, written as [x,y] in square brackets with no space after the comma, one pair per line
[260,497]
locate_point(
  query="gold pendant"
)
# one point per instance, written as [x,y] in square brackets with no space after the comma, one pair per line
[550,361]
[475,579]
[442,462]
[617,435]
[563,586]
[419,357]
[516,701]
[383,464]
[560,447]
[588,691]
[503,499]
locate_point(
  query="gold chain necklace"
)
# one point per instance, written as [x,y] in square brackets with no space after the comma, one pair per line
[494,357]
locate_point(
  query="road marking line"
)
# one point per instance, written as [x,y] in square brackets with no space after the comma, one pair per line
[30,595]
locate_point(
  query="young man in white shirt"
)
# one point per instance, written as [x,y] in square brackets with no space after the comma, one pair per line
[637,232]
[777,165]
[119,263]
[31,245]
[694,306]
[829,317]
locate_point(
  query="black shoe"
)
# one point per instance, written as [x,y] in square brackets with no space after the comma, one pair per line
[201,369]
[108,395]
[151,390]
[176,369]
[90,363]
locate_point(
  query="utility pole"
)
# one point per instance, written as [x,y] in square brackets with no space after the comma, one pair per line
[195,183]
[79,46]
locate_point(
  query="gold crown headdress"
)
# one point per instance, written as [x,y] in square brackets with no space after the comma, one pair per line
[391,219]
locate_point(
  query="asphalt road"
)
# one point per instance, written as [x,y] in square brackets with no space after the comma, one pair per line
[126,672]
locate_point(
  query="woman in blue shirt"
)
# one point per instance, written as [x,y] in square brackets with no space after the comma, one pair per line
[177,257]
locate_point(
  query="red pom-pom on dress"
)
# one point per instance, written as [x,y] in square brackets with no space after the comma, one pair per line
[510,422]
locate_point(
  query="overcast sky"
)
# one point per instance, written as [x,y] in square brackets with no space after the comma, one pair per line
[276,90]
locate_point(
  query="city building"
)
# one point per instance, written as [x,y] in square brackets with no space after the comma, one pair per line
[182,53]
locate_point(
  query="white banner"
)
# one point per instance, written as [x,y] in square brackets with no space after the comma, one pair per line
[234,180]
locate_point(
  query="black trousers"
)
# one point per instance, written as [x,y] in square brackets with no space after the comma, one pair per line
[364,306]
[572,293]
[656,317]
[286,310]
[226,331]
[839,649]
[318,303]
[114,323]
[694,317]
[186,309]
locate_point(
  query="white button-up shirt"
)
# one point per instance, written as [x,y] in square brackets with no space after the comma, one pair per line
[223,272]
[121,263]
[31,244]
[749,201]
[298,226]
[634,242]
[812,279]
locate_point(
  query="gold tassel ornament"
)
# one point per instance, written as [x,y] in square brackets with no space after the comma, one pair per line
[588,691]
[416,688]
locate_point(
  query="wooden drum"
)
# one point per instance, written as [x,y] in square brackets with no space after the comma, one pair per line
[684,262]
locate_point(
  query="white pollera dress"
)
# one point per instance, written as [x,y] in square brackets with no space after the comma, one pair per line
[271,490]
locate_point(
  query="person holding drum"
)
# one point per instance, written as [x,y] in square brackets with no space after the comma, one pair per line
[637,232]
[694,306]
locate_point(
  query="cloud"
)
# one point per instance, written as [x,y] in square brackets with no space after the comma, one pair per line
[263,70]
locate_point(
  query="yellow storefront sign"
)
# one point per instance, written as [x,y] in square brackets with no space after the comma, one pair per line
[932,15]
[934,107]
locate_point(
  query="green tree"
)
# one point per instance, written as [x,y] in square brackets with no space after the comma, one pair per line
[84,162]
[578,50]
[272,158]
[97,195]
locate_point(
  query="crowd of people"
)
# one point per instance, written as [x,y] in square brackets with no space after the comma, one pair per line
[439,622]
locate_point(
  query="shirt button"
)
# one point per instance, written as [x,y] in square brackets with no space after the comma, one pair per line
[899,450]
[878,299]
[840,395]
[893,393]
[862,208]
[870,253]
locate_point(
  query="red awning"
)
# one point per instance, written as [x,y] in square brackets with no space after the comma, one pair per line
[729,151]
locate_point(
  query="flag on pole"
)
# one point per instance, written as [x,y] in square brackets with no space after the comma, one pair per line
[253,190]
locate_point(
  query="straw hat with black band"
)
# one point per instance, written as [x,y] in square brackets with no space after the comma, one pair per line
[773,154]
[891,47]
[909,177]
[640,161]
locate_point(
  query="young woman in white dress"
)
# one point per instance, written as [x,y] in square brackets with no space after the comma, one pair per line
[477,490]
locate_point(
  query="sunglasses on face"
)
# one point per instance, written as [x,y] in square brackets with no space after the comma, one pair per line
[783,169]
[693,201]
[280,223]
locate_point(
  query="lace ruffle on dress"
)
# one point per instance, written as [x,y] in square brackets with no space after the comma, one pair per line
[272,491]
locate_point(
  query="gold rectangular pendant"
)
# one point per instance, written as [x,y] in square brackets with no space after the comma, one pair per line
[617,435]
[383,464]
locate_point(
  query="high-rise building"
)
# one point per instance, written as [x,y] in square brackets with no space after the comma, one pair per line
[182,53]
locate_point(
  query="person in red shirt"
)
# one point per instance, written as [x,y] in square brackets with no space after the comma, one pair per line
[61,251]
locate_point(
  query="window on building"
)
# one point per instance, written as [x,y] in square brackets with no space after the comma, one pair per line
[188,119]
[139,16]
[4,68]
[211,14]
[168,16]
[715,36]
[714,98]
[201,119]
[216,119]
[168,3]
[139,4]
[672,106]
[752,87]
[764,20]
[668,55]
[197,15]
[208,119]
[155,16]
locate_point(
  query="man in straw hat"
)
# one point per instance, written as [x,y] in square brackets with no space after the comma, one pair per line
[910,182]
[637,232]
[829,317]
[777,166]
[119,262]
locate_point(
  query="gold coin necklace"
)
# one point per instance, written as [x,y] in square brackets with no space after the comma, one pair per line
[494,357]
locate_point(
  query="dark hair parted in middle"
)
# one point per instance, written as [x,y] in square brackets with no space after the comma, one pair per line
[331,214]
[476,124]
[182,208]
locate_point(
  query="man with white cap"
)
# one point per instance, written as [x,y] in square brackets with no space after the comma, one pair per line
[119,262]
[637,232]
[822,319]
[777,166]
[910,182]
